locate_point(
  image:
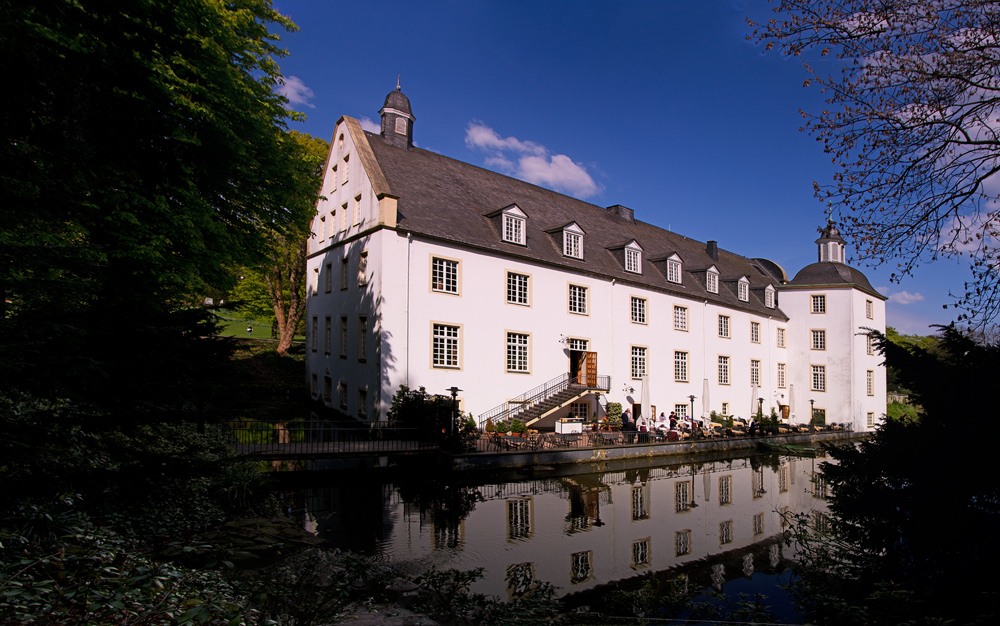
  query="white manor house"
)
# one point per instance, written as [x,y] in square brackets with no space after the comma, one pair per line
[429,272]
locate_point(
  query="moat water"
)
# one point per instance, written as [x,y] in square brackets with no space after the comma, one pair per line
[721,523]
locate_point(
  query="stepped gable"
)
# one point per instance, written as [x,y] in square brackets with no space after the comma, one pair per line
[447,199]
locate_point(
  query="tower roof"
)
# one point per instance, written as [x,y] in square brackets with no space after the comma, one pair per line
[397,100]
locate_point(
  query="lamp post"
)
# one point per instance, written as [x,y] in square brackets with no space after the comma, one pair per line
[693,503]
[692,406]
[760,408]
[812,410]
[454,406]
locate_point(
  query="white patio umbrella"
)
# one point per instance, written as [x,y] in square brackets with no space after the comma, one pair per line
[648,420]
[753,401]
[791,404]
[704,400]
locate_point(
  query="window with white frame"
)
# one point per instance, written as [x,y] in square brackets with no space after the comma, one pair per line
[328,283]
[818,378]
[343,217]
[314,335]
[638,362]
[444,275]
[357,210]
[781,375]
[712,281]
[870,344]
[362,338]
[346,168]
[725,408]
[769,297]
[336,179]
[573,244]
[519,518]
[681,411]
[819,304]
[783,479]
[343,336]
[743,289]
[869,309]
[343,273]
[674,269]
[633,260]
[315,282]
[513,226]
[638,310]
[754,372]
[363,269]
[724,326]
[322,227]
[445,345]
[758,524]
[819,486]
[780,337]
[342,392]
[682,496]
[680,318]
[640,553]
[725,489]
[640,502]
[517,352]
[680,367]
[870,382]
[578,299]
[579,345]
[682,542]
[517,288]
[755,332]
[870,419]
[723,370]
[819,340]
[726,532]
[581,566]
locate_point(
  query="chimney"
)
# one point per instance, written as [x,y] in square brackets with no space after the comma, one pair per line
[624,213]
[712,248]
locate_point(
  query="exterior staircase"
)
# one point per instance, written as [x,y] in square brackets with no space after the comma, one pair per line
[535,404]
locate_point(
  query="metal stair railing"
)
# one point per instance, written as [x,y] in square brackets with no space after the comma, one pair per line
[515,406]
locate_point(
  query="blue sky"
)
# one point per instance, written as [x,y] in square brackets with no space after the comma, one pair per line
[663,107]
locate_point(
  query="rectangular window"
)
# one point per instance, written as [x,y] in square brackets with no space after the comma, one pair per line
[769,298]
[346,168]
[682,496]
[743,291]
[870,419]
[682,542]
[513,229]
[640,553]
[640,504]
[578,299]
[638,362]
[343,217]
[680,367]
[681,411]
[819,304]
[758,524]
[329,277]
[357,210]
[757,484]
[444,275]
[314,335]
[336,179]
[780,334]
[638,310]
[725,408]
[819,378]
[755,372]
[680,318]
[581,566]
[580,409]
[362,338]
[342,388]
[517,352]
[445,346]
[819,340]
[781,375]
[327,390]
[725,489]
[313,384]
[783,479]
[633,261]
[819,486]
[712,282]
[327,336]
[519,518]
[517,288]
[322,227]
[726,532]
[870,382]
[870,344]
[363,269]
[580,345]
[724,326]
[362,402]
[674,271]
[723,370]
[573,245]
[343,273]
[869,309]
[755,332]
[343,336]
[315,281]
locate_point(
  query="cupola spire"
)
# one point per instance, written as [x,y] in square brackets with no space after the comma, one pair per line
[397,119]
[831,244]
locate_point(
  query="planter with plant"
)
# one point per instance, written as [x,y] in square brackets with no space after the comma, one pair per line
[502,428]
[517,427]
[615,415]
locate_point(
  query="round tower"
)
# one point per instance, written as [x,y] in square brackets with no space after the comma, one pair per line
[397,120]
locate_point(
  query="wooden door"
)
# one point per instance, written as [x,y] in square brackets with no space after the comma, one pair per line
[591,369]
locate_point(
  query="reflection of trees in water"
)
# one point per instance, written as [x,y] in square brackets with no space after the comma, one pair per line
[445,506]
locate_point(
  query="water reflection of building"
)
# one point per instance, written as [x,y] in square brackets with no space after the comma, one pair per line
[583,530]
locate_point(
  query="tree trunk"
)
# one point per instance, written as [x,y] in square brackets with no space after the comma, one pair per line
[291,267]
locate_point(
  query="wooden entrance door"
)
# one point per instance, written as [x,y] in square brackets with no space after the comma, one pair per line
[591,368]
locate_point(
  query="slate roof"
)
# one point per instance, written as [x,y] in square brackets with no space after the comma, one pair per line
[832,273]
[447,199]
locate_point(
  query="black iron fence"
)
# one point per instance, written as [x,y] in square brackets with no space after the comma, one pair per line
[304,438]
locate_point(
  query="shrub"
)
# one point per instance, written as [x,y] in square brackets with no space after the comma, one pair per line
[615,413]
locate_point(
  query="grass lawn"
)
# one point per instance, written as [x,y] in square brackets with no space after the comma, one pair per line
[232,324]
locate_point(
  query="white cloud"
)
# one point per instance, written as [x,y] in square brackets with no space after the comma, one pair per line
[370,126]
[296,91]
[905,297]
[884,290]
[534,163]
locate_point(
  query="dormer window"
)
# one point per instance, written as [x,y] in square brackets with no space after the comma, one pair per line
[633,258]
[743,289]
[712,280]
[769,297]
[674,269]
[573,241]
[513,225]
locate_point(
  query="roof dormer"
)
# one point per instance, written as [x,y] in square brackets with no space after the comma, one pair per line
[674,269]
[511,222]
[712,280]
[769,293]
[743,289]
[633,257]
[572,240]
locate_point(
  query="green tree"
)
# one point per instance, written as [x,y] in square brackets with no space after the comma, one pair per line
[913,98]
[144,155]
